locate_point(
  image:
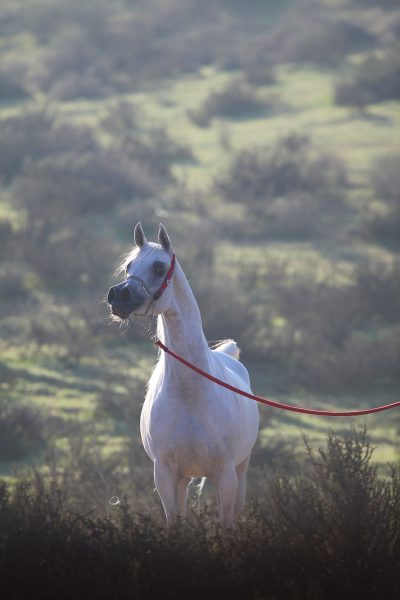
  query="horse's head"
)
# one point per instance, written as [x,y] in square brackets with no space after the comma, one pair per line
[147,269]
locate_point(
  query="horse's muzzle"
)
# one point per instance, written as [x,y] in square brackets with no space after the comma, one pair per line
[124,299]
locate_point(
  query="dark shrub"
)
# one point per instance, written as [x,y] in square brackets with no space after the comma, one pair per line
[378,3]
[6,236]
[333,530]
[337,510]
[385,179]
[288,190]
[15,288]
[372,360]
[68,260]
[362,363]
[121,398]
[33,135]
[376,79]
[76,68]
[158,151]
[297,217]
[81,184]
[154,147]
[313,32]
[348,94]
[377,284]
[257,74]
[336,337]
[118,50]
[47,18]
[214,293]
[326,42]
[64,330]
[21,431]
[122,120]
[11,87]
[237,100]
[385,228]
[259,174]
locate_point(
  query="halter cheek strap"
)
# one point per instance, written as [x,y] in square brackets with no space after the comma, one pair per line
[166,281]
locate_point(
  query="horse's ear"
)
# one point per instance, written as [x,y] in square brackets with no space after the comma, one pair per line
[163,237]
[139,237]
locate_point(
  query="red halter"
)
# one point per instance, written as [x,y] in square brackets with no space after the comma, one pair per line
[156,295]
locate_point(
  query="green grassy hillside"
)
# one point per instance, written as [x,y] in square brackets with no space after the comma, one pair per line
[82,377]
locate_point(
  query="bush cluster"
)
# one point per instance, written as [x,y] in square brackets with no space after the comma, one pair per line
[385,181]
[238,99]
[312,35]
[66,182]
[375,79]
[11,87]
[95,53]
[333,530]
[289,192]
[340,336]
[22,430]
[36,134]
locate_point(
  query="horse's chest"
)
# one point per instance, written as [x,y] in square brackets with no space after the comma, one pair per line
[176,423]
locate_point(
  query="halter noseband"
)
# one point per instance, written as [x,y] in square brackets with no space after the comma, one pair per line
[156,295]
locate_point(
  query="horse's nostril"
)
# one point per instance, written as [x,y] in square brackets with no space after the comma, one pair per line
[124,295]
[111,296]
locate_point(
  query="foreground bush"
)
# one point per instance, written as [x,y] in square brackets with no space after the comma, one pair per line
[332,531]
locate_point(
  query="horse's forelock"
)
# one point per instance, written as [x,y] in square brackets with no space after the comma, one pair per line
[129,256]
[126,259]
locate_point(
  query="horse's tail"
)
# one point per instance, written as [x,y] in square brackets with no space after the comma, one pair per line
[229,347]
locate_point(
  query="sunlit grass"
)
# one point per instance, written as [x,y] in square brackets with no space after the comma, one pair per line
[70,390]
[357,137]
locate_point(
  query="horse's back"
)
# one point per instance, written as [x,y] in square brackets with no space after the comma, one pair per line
[229,347]
[237,408]
[231,362]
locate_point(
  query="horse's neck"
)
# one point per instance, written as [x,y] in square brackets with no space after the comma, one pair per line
[180,327]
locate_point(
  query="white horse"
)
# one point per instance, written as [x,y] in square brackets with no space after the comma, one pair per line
[190,427]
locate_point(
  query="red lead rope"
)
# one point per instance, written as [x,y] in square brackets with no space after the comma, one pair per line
[305,411]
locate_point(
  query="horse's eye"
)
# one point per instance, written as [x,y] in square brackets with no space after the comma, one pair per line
[159,269]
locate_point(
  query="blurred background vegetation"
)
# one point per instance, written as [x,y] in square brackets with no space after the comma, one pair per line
[265,136]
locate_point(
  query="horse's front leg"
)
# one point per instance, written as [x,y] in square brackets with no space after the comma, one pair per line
[226,482]
[241,471]
[182,496]
[166,480]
